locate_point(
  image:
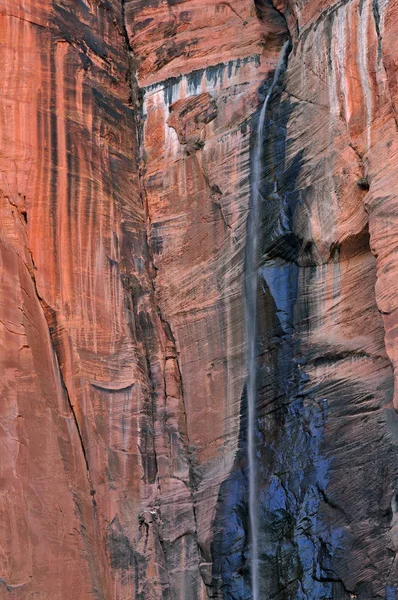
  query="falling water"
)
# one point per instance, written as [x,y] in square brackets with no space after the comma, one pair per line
[251,321]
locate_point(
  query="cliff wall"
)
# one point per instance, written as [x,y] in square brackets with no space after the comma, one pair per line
[126,153]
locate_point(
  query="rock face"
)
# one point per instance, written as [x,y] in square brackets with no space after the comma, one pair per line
[126,154]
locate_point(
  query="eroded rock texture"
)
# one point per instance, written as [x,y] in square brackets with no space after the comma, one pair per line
[126,149]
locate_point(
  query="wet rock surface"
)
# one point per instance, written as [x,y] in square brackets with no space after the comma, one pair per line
[126,151]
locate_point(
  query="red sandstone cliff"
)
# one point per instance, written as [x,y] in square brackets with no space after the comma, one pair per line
[127,129]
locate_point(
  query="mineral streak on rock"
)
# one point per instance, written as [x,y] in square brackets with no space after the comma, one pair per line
[126,150]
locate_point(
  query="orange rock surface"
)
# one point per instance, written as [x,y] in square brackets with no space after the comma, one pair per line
[126,147]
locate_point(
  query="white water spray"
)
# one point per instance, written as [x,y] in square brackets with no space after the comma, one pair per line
[251,322]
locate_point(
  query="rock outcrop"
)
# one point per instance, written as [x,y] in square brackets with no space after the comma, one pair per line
[126,154]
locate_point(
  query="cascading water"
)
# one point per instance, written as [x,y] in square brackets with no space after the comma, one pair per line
[251,280]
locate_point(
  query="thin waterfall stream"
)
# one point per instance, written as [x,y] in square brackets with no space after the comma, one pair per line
[251,282]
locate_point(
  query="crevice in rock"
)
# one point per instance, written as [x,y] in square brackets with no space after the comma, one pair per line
[169,334]
[47,311]
[219,206]
[331,579]
[136,95]
[324,106]
[332,504]
[136,102]
[376,16]
[216,193]
[75,419]
[232,9]
[10,330]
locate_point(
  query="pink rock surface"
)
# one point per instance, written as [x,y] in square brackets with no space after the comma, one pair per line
[125,161]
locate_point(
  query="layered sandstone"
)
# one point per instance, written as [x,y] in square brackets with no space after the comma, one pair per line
[113,448]
[327,272]
[126,148]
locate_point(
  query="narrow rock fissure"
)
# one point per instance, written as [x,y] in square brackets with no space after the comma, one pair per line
[136,102]
[79,433]
[46,308]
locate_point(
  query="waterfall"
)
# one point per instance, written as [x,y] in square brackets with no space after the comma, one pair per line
[251,279]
